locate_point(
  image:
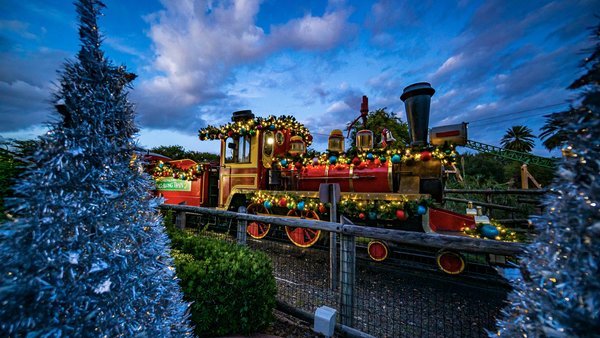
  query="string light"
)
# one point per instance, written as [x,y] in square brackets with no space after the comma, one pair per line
[349,205]
[163,169]
[504,234]
[250,126]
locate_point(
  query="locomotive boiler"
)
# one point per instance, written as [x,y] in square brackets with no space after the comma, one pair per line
[265,166]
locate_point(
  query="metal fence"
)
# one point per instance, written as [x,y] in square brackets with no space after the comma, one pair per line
[381,299]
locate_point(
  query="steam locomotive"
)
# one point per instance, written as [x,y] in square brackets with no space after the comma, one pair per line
[265,166]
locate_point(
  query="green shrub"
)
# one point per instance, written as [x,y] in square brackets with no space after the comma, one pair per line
[232,288]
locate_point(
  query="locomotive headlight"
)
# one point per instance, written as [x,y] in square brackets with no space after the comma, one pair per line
[270,140]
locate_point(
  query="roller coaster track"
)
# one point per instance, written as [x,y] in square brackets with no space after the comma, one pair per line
[511,154]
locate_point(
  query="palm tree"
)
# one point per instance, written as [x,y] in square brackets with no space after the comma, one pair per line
[552,131]
[519,138]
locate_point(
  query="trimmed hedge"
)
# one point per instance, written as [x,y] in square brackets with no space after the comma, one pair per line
[232,288]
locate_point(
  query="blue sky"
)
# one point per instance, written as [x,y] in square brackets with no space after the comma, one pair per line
[493,64]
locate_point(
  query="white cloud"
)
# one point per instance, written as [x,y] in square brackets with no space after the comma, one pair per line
[451,64]
[198,45]
[337,107]
[18,27]
[310,32]
[22,105]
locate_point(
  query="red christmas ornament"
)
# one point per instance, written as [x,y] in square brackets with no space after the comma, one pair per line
[362,165]
[401,215]
[356,161]
[283,202]
[230,133]
[377,162]
[361,215]
[322,208]
[298,165]
[425,156]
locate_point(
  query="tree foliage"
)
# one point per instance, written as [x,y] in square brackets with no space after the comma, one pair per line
[382,119]
[518,138]
[13,155]
[176,152]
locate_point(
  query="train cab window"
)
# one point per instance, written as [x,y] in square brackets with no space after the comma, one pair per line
[238,149]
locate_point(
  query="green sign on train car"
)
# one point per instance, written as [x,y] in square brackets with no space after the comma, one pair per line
[173,184]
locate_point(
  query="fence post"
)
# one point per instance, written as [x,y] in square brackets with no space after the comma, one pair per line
[333,274]
[241,227]
[180,220]
[347,278]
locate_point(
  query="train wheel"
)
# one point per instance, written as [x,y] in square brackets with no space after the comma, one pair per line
[303,237]
[257,230]
[378,250]
[450,262]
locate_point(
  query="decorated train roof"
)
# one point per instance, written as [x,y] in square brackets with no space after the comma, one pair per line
[251,125]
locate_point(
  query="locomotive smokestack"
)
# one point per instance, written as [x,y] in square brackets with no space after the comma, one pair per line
[417,98]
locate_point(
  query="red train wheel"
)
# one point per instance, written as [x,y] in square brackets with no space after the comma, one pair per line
[378,251]
[450,262]
[303,237]
[257,230]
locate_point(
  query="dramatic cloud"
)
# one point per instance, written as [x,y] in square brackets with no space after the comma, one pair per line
[492,63]
[15,97]
[26,86]
[198,44]
[17,27]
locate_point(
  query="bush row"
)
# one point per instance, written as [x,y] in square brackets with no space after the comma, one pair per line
[232,288]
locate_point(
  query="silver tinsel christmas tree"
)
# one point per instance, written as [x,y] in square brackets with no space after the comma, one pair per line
[86,254]
[559,292]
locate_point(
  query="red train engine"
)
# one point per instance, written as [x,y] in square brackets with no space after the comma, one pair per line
[265,166]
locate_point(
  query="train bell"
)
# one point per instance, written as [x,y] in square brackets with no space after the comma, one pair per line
[386,138]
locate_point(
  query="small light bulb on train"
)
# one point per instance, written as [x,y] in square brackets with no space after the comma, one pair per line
[270,140]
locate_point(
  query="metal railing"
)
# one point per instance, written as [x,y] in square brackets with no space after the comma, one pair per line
[383,300]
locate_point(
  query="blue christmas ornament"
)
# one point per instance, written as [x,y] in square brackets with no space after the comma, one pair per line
[283,163]
[332,159]
[242,131]
[160,165]
[489,231]
[370,157]
[272,127]
[421,210]
[300,205]
[396,159]
[268,204]
[372,215]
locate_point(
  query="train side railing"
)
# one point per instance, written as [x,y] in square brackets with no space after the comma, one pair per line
[369,302]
